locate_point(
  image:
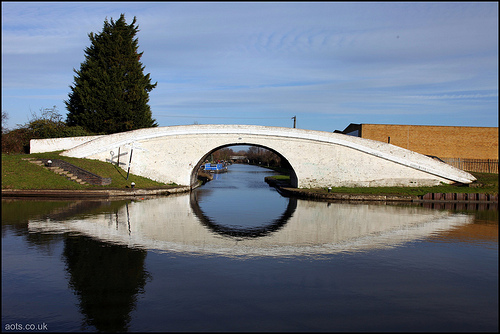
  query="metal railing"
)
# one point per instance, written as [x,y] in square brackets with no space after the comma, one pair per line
[474,165]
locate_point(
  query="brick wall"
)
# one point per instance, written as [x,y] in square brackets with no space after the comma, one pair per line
[440,141]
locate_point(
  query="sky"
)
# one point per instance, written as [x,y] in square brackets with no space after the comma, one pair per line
[328,64]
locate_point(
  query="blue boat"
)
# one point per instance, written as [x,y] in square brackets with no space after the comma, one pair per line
[215,168]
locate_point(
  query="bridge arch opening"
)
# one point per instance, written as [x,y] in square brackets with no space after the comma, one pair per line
[283,163]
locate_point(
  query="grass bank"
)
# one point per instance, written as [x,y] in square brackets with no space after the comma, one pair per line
[21,174]
[486,183]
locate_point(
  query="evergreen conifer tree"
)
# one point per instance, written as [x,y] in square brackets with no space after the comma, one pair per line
[110,92]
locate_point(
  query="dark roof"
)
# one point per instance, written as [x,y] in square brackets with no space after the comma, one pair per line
[351,128]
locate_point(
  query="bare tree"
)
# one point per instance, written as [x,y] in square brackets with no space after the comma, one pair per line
[5,118]
[224,154]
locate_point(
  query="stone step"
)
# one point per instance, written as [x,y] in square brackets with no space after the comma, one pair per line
[58,170]
[75,178]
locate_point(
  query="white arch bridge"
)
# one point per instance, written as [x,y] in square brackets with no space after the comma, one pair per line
[173,154]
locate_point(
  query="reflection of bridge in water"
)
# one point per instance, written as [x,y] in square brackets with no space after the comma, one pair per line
[176,223]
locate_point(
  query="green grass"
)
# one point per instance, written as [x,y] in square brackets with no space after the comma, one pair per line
[21,174]
[486,183]
[281,177]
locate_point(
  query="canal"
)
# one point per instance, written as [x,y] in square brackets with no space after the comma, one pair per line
[234,255]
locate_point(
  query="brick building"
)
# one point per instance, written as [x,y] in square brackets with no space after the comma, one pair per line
[455,145]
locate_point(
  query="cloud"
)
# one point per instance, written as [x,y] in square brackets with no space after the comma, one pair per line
[269,58]
[455,96]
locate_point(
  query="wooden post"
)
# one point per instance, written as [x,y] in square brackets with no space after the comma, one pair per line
[130,161]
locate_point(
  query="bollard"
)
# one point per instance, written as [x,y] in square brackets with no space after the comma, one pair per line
[49,163]
[329,189]
[132,184]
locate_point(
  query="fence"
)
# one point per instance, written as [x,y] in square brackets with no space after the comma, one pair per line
[474,165]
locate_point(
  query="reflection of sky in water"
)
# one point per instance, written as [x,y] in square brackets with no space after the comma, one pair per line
[246,209]
[236,200]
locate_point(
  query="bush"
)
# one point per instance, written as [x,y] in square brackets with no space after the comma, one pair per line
[16,141]
[48,125]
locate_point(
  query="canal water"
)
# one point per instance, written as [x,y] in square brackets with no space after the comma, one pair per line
[234,255]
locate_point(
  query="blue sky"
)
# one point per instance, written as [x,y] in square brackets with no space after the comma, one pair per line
[327,63]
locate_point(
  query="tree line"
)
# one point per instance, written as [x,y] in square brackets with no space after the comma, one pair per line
[254,155]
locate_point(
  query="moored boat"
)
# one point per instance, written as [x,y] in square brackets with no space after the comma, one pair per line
[215,167]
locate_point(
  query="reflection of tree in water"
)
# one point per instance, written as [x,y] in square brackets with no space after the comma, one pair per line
[106,278]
